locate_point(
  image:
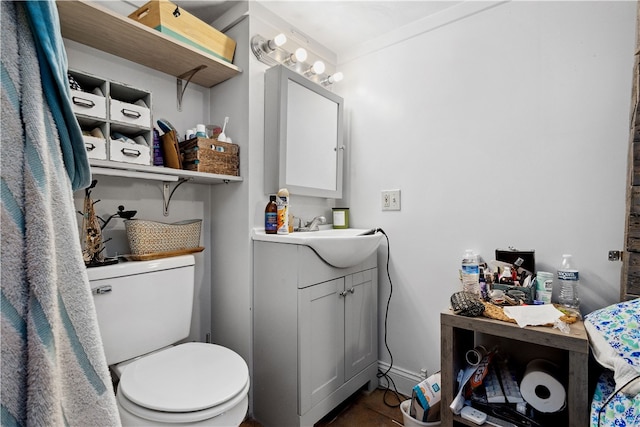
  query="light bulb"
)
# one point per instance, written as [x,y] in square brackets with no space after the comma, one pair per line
[300,54]
[280,39]
[274,43]
[336,77]
[318,67]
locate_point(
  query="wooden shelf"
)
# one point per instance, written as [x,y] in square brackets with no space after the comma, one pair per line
[93,25]
[459,334]
[156,173]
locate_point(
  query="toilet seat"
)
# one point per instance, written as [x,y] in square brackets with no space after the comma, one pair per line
[186,383]
[187,417]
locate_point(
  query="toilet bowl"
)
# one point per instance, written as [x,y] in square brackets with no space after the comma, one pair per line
[189,384]
[144,308]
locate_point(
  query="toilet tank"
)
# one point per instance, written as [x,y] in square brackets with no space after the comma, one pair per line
[142,305]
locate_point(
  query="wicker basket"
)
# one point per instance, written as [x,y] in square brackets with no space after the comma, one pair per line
[200,154]
[147,237]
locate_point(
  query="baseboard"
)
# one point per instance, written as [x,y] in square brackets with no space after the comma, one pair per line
[403,379]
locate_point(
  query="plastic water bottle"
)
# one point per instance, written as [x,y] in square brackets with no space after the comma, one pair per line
[568,277]
[470,273]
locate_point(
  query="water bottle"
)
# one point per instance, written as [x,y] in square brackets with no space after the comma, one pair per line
[470,273]
[568,277]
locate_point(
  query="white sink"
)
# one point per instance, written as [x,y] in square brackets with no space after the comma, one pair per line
[341,248]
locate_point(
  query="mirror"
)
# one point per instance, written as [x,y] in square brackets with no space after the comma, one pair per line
[303,135]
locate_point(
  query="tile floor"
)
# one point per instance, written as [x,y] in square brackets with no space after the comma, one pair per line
[361,409]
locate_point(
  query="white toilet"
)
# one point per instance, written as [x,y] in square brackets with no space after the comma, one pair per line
[143,308]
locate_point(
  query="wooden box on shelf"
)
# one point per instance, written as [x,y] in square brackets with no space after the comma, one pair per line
[160,15]
[210,156]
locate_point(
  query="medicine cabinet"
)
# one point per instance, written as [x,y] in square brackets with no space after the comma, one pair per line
[304,150]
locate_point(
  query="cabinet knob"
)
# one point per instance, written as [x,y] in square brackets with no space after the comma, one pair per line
[347,292]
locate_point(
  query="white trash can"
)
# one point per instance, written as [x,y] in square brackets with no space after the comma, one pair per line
[409,421]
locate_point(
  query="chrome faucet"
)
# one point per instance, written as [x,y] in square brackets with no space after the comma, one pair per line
[314,224]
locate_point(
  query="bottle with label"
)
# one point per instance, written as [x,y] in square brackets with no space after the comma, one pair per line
[282,201]
[484,289]
[201,131]
[544,286]
[470,273]
[568,277]
[158,160]
[271,216]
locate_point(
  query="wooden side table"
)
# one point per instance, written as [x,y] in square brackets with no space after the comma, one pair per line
[459,334]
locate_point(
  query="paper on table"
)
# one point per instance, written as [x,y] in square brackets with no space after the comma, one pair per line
[533,314]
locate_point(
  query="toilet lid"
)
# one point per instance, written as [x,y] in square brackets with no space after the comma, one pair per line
[187,377]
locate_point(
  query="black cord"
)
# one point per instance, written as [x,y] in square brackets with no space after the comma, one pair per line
[380,374]
[604,405]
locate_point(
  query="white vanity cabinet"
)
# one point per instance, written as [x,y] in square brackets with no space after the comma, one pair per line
[315,333]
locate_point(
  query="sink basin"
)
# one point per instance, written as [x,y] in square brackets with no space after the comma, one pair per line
[340,248]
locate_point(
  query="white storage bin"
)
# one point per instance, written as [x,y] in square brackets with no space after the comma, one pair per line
[409,421]
[133,114]
[96,147]
[110,113]
[120,151]
[89,104]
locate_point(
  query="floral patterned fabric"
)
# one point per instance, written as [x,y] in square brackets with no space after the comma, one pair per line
[620,411]
[614,336]
[619,325]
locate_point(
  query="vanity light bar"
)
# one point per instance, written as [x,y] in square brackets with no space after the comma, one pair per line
[272,53]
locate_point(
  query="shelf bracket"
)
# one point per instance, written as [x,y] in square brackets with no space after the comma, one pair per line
[167,194]
[188,76]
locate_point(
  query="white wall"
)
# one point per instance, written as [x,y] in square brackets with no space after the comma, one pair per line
[508,127]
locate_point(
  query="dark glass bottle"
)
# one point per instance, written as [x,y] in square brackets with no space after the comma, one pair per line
[271,216]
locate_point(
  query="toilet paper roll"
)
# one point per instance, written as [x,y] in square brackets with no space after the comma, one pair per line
[541,389]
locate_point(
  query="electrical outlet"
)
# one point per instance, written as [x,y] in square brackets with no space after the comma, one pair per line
[390,200]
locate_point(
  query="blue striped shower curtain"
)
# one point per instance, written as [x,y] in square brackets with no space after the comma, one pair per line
[53,369]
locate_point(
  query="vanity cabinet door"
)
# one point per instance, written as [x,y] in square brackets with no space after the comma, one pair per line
[361,322]
[321,340]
